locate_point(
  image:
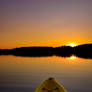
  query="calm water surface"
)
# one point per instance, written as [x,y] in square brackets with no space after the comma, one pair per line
[24,74]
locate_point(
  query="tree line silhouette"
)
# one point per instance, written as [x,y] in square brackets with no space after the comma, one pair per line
[84,51]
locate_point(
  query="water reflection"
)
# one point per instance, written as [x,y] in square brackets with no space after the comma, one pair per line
[24,74]
[73,57]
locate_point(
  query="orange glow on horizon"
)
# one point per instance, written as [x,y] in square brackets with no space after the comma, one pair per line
[58,43]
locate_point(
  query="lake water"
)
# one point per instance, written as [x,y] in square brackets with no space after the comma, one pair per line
[24,74]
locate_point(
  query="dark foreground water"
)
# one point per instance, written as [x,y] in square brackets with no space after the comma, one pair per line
[24,74]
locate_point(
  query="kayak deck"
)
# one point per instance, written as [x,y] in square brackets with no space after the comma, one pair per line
[50,85]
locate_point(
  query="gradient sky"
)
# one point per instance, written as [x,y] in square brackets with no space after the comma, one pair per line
[45,22]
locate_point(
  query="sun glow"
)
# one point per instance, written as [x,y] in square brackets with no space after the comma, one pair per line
[73,57]
[72,45]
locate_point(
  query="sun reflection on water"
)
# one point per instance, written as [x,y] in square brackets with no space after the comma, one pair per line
[73,57]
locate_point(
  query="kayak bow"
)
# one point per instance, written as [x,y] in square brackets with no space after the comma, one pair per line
[50,85]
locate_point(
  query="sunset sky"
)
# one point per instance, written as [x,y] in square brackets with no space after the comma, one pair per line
[45,22]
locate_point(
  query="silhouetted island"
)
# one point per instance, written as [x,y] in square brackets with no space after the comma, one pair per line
[84,51]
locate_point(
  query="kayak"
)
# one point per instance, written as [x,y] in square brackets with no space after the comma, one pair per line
[50,85]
